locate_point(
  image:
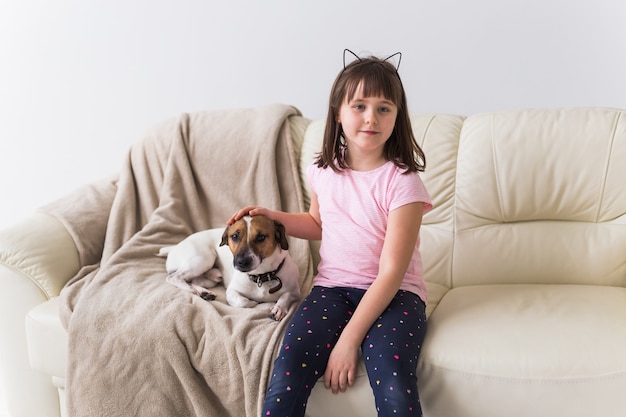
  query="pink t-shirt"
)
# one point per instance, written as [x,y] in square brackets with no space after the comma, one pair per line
[354,206]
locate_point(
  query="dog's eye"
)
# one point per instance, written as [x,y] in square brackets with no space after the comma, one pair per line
[260,238]
[234,237]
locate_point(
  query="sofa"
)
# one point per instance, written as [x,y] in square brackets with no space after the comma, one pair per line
[524,255]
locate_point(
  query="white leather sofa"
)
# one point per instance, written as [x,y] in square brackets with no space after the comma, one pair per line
[525,256]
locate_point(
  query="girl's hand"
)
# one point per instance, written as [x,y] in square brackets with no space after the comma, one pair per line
[250,210]
[341,368]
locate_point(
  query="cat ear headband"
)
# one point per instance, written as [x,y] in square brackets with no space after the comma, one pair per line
[399,54]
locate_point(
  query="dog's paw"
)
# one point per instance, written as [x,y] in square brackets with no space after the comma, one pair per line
[277,313]
[207,295]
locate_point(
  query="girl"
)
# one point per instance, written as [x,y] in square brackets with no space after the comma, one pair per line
[367,202]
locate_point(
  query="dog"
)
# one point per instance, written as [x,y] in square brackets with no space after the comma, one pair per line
[251,257]
[192,264]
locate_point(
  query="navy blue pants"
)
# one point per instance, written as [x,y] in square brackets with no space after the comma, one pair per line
[390,351]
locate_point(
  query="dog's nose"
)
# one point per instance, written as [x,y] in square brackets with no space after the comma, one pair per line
[243,263]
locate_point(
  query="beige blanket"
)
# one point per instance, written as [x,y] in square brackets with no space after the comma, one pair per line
[139,346]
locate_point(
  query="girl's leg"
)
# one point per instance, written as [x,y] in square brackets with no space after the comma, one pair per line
[310,335]
[390,351]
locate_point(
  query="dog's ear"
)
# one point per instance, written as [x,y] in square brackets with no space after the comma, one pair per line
[281,236]
[224,237]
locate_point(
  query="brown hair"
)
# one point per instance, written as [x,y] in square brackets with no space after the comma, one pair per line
[378,78]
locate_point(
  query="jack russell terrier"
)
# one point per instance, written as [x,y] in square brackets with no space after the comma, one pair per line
[250,256]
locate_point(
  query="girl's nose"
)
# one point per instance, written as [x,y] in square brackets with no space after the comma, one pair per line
[370,118]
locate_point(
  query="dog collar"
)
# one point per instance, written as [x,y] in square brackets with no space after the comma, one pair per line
[268,276]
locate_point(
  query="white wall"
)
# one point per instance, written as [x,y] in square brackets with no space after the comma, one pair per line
[80,80]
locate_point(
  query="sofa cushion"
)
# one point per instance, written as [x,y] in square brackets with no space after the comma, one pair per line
[356,401]
[540,198]
[511,347]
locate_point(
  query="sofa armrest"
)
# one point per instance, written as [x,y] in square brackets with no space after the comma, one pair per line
[37,257]
[47,339]
[40,250]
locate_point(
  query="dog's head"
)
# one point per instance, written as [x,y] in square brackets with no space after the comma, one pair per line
[253,240]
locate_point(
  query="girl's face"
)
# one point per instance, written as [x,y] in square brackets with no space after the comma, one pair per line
[367,123]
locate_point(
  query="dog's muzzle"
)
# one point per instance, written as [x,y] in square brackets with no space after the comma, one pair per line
[259,279]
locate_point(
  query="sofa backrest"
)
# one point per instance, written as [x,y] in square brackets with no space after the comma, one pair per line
[520,197]
[541,198]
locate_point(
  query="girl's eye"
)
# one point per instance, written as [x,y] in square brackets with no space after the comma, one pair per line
[359,107]
[383,109]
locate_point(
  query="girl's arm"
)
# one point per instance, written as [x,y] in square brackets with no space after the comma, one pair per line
[403,227]
[305,225]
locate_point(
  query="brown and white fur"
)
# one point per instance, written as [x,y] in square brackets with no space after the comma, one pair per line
[250,256]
